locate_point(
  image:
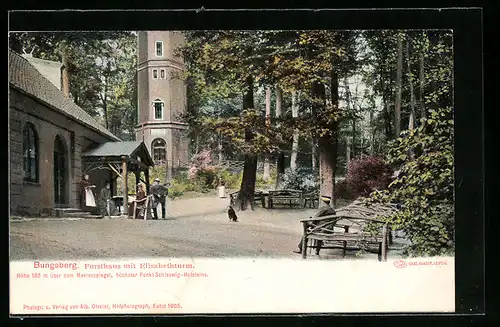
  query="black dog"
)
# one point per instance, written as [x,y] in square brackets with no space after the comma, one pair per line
[231,214]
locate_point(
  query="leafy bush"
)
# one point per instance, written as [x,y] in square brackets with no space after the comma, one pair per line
[344,191]
[202,172]
[301,179]
[232,180]
[262,183]
[365,175]
[424,186]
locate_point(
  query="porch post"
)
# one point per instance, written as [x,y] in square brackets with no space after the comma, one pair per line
[146,178]
[137,177]
[125,185]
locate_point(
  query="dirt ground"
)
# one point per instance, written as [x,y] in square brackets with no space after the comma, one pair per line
[195,227]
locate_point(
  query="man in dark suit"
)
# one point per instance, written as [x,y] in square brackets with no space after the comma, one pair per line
[325,210]
[159,193]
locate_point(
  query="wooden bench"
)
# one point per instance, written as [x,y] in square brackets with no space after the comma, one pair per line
[258,197]
[344,231]
[311,199]
[293,197]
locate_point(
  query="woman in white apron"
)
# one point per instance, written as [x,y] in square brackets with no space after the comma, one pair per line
[86,195]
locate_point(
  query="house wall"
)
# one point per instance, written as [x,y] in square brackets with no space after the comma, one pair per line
[35,198]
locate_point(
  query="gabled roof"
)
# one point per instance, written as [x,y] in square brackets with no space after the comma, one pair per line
[119,149]
[26,78]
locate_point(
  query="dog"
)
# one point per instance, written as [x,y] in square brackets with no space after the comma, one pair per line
[231,214]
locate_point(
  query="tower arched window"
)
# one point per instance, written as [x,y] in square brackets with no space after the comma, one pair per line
[159,150]
[30,153]
[158,107]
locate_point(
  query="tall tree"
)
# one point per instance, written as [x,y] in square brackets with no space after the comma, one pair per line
[295,144]
[246,194]
[399,86]
[267,166]
[410,82]
[280,163]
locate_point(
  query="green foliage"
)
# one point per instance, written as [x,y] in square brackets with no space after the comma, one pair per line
[101,68]
[232,180]
[424,186]
[270,183]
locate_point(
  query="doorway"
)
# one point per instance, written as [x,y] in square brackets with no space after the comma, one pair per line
[60,172]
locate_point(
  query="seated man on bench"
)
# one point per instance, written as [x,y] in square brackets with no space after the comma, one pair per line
[325,210]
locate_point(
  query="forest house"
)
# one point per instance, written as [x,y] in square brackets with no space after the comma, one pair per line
[49,137]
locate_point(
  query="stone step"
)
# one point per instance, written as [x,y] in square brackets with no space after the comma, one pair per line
[68,210]
[75,214]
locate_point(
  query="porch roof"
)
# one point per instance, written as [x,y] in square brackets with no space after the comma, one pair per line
[114,151]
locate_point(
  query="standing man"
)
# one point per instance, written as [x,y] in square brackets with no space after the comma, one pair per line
[105,200]
[160,193]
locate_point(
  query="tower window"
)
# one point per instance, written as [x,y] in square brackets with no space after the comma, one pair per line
[159,151]
[159,48]
[155,73]
[158,109]
[162,73]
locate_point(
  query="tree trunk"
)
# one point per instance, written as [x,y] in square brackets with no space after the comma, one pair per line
[350,108]
[247,189]
[348,153]
[421,79]
[410,79]
[65,71]
[104,99]
[267,166]
[372,136]
[295,143]
[219,149]
[399,73]
[387,112]
[327,143]
[313,154]
[280,164]
[197,143]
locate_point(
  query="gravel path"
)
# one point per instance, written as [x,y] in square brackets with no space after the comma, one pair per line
[193,228]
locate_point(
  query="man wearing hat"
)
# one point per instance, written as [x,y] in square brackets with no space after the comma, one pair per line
[160,193]
[325,210]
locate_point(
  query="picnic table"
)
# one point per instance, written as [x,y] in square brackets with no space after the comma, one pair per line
[352,227]
[290,197]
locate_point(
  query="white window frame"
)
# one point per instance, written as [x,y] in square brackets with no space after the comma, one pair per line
[156,48]
[162,109]
[155,70]
[164,73]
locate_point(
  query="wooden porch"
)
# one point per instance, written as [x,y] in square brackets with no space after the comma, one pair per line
[121,158]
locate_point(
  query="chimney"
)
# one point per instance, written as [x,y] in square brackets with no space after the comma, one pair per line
[65,76]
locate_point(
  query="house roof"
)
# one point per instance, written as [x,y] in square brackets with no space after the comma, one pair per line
[25,77]
[118,149]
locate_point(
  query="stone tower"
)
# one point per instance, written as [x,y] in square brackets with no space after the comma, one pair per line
[161,94]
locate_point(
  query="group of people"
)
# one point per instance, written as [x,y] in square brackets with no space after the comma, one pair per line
[159,192]
[105,202]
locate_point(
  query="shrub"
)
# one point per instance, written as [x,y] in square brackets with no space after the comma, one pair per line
[232,180]
[365,175]
[301,179]
[424,186]
[202,172]
[344,191]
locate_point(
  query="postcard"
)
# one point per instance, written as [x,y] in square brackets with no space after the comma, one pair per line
[231,171]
